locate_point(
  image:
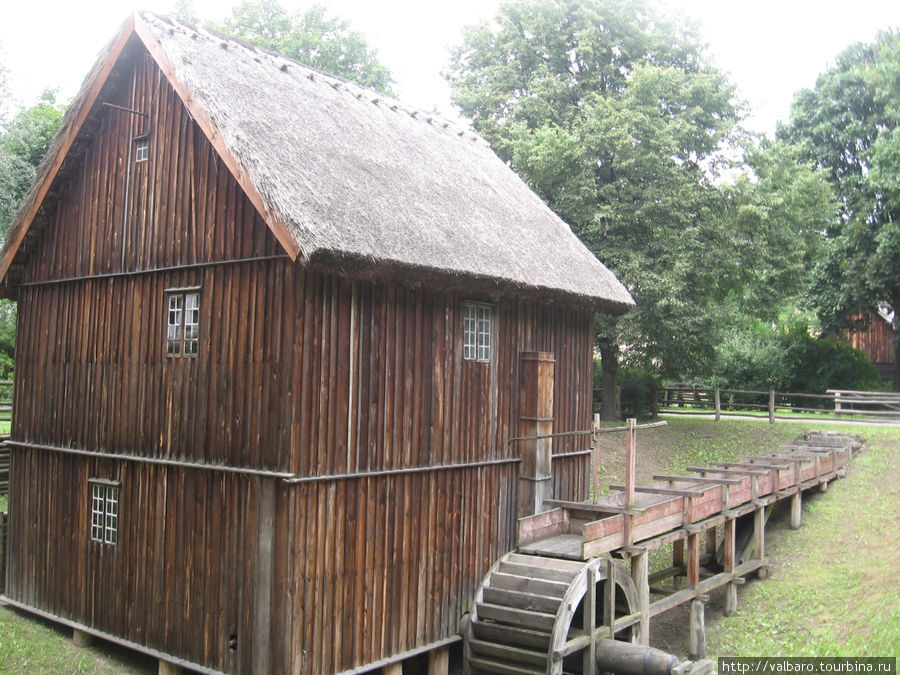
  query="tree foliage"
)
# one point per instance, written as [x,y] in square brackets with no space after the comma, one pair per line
[609,111]
[310,37]
[848,126]
[23,142]
[775,214]
[758,356]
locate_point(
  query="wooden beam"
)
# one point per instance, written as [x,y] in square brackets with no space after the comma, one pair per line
[640,569]
[595,508]
[650,489]
[738,472]
[698,479]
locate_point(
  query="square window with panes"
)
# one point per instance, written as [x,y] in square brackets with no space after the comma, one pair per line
[478,332]
[183,322]
[141,150]
[104,511]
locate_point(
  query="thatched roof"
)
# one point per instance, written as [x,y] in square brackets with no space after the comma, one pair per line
[342,173]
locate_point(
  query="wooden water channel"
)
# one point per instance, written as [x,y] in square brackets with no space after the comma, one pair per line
[548,606]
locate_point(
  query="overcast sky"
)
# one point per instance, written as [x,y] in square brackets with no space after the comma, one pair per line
[770,48]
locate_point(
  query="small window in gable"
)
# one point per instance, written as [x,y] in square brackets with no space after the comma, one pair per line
[141,149]
[478,332]
[104,511]
[182,322]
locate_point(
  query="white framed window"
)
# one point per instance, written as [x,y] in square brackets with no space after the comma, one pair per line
[478,331]
[104,511]
[141,149]
[182,321]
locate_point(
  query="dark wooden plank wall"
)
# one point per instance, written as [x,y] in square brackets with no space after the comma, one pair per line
[381,565]
[93,373]
[298,370]
[183,205]
[877,342]
[384,384]
[180,578]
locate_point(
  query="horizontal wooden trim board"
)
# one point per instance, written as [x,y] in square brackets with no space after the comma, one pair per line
[152,460]
[153,270]
[393,472]
[291,478]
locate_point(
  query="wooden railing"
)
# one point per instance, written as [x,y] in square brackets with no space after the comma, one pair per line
[777,405]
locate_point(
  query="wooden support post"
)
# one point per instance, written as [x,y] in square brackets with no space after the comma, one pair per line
[771,406]
[796,513]
[439,661]
[837,403]
[718,405]
[265,562]
[167,668]
[535,419]
[823,486]
[693,563]
[678,561]
[630,470]
[728,544]
[759,538]
[697,647]
[640,575]
[82,639]
[609,599]
[595,458]
[589,657]
[393,669]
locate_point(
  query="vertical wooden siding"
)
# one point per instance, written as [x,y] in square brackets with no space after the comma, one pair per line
[92,371]
[180,578]
[298,371]
[180,207]
[384,383]
[877,342]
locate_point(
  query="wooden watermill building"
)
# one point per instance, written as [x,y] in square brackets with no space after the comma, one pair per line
[276,333]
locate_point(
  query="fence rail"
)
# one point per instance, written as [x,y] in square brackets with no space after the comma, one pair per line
[778,405]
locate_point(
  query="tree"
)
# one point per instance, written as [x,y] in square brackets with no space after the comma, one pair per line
[609,111]
[23,143]
[848,126]
[24,140]
[775,213]
[310,37]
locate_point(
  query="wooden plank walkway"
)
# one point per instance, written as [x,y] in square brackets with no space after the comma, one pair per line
[678,505]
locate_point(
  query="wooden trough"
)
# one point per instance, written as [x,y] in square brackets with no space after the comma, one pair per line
[714,518]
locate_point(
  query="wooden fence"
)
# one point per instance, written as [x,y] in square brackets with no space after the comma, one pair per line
[779,405]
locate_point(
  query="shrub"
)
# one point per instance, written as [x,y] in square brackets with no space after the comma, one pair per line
[789,359]
[640,392]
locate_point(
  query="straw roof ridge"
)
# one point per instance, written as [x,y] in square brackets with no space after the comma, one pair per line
[339,171]
[354,173]
[337,82]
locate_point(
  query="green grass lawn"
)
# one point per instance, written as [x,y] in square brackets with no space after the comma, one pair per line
[833,590]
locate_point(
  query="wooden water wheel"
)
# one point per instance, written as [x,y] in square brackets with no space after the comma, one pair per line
[534,614]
